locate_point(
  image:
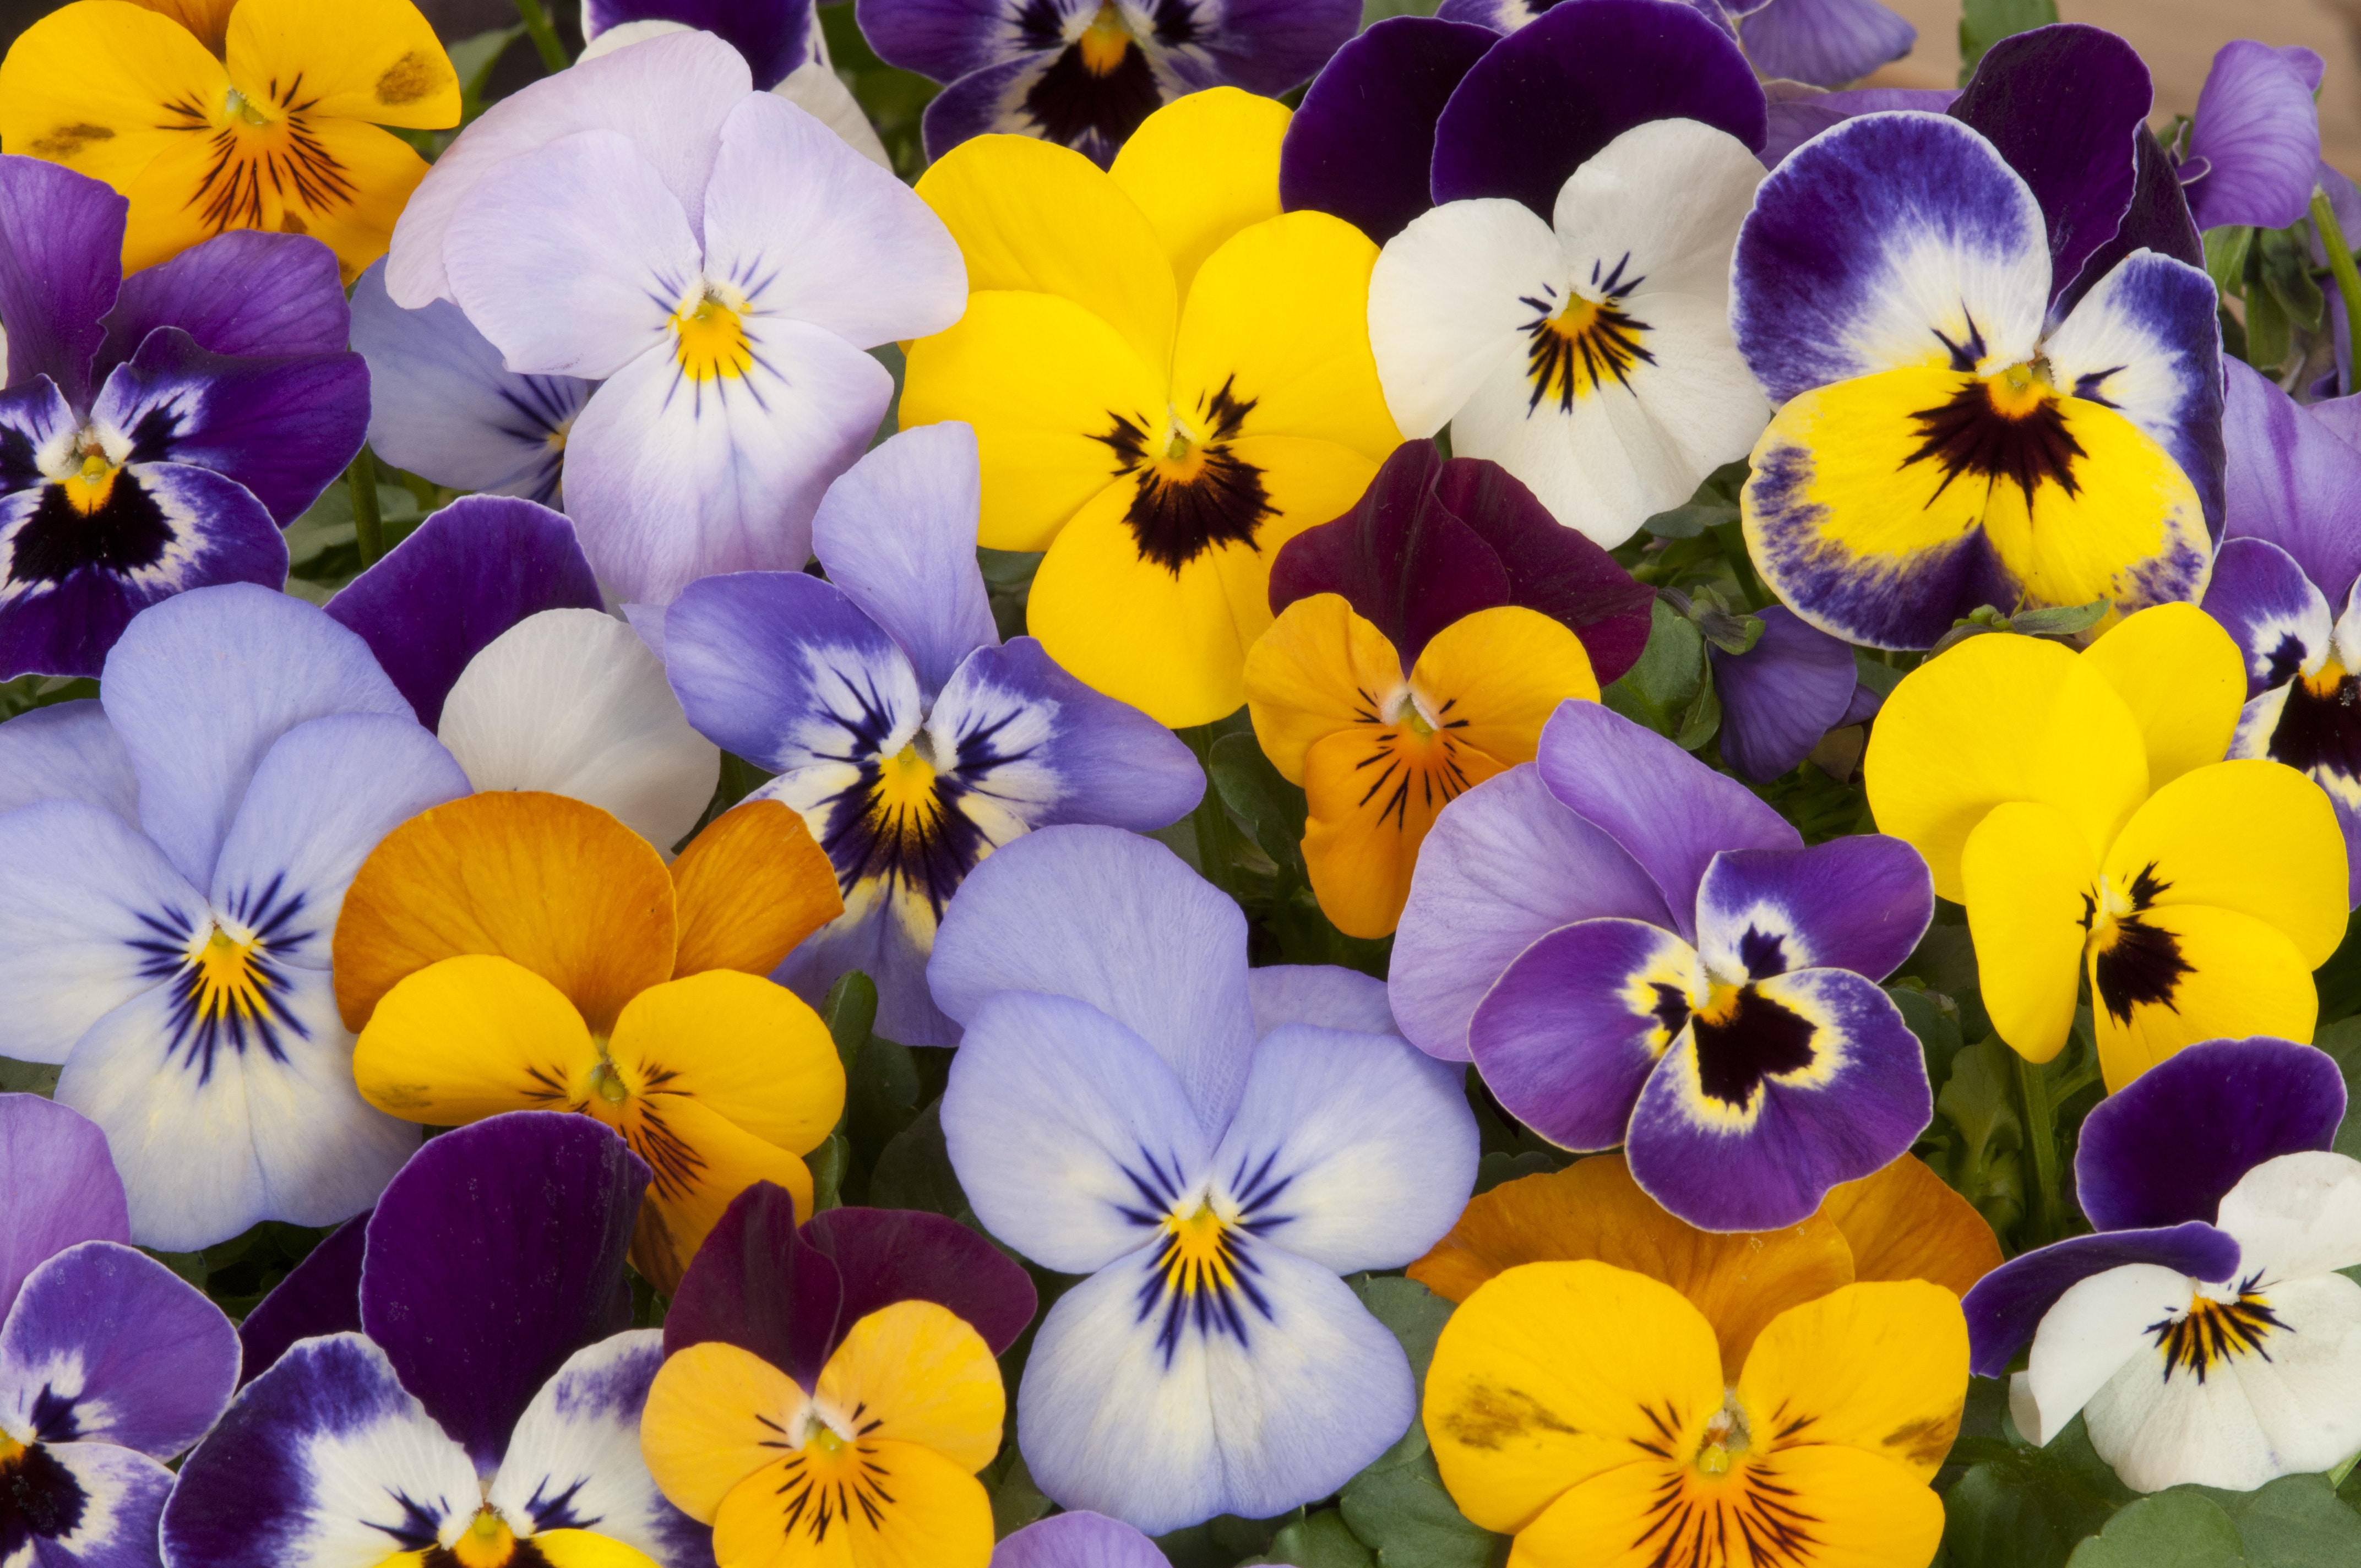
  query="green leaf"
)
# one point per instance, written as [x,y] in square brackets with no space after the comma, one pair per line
[1015,1501]
[1497,1166]
[2295,1521]
[1402,1514]
[1983,23]
[1250,785]
[1937,1031]
[1413,1314]
[1319,1540]
[2270,338]
[2226,249]
[1689,519]
[1659,689]
[2341,1041]
[2060,621]
[473,58]
[2287,273]
[914,1170]
[1376,11]
[830,1163]
[2022,1507]
[28,1078]
[2339,979]
[1986,1167]
[2171,1530]
[850,1011]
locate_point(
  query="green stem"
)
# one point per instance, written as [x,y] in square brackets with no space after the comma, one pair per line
[2348,277]
[544,37]
[369,526]
[2041,1149]
[1211,820]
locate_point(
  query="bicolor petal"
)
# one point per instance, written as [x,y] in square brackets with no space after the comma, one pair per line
[2008,1304]
[101,1502]
[321,1295]
[1859,903]
[2279,617]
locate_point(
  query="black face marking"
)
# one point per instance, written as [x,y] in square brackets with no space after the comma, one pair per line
[2213,1331]
[128,532]
[2142,965]
[1576,347]
[2287,659]
[1764,953]
[40,1501]
[2321,729]
[1758,1038]
[1176,520]
[1972,435]
[1672,1009]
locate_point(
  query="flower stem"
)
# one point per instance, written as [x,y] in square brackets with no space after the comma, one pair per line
[369,526]
[2040,1148]
[2348,278]
[1211,820]
[544,37]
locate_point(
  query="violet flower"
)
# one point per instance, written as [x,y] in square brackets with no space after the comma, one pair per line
[1780,696]
[156,431]
[2254,139]
[1824,42]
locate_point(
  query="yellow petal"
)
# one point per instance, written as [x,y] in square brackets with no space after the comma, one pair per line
[382,170]
[470,1037]
[1493,679]
[924,1376]
[1906,1223]
[702,1161]
[2182,678]
[714,1414]
[208,19]
[749,887]
[561,887]
[750,1051]
[587,1548]
[1320,668]
[1553,1373]
[88,84]
[1033,216]
[1374,792]
[1043,381]
[2253,835]
[1880,1366]
[2222,975]
[881,1505]
[1594,1209]
[373,60]
[2000,718]
[2026,875]
[1201,168]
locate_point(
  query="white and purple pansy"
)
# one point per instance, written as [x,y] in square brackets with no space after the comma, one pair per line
[1824,42]
[156,431]
[910,737]
[2205,1332]
[110,1363]
[1636,951]
[171,901]
[487,1413]
[1131,1103]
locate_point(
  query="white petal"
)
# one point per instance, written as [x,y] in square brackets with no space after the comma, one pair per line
[815,88]
[1449,302]
[2349,631]
[66,751]
[1663,201]
[2097,1327]
[622,36]
[2295,1216]
[1326,994]
[573,1462]
[572,702]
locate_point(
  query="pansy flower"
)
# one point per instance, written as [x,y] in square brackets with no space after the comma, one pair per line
[1781,696]
[2254,139]
[156,431]
[719,277]
[910,739]
[1422,639]
[2205,1332]
[1087,73]
[522,951]
[268,118]
[110,1363]
[1736,1044]
[1168,379]
[1212,1147]
[487,1411]
[1984,399]
[2285,588]
[2077,806]
[1077,1539]
[1825,42]
[1583,1408]
[177,960]
[488,619]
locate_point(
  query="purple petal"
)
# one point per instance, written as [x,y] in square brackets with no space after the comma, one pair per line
[1799,113]
[941,38]
[876,940]
[1362,145]
[1556,570]
[494,1255]
[993,99]
[1825,42]
[246,292]
[885,1255]
[1271,46]
[321,1295]
[66,751]
[773,35]
[57,1186]
[60,263]
[1866,701]
[1549,97]
[283,428]
[65,1480]
[2005,1305]
[2258,130]
[2157,219]
[1104,761]
[755,657]
[1782,695]
[1080,1539]
[2279,621]
[758,1283]
[467,575]
[2163,1149]
[2290,480]
[1814,1080]
[109,1345]
[1669,811]
[1560,1039]
[1859,903]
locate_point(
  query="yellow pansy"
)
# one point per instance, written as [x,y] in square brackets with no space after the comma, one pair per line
[210,116]
[1168,378]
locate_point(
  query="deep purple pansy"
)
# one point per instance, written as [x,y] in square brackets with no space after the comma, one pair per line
[493,1391]
[1824,42]
[110,1363]
[1780,696]
[2254,139]
[156,431]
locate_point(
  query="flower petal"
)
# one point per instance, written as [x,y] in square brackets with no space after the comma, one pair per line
[886,1256]
[2290,479]
[2177,671]
[66,751]
[2239,973]
[759,1284]
[2296,1215]
[121,1496]
[1828,42]
[774,41]
[2250,836]
[1362,141]
[321,1295]
[61,1187]
[111,1346]
[243,292]
[920,1376]
[1447,311]
[2097,1330]
[1878,1366]
[744,1048]
[2008,1304]
[941,38]
[2028,877]
[2279,621]
[2258,130]
[1163,167]
[1859,903]
[1077,1539]
[1321,669]
[1325,995]
[61,264]
[751,886]
[1782,695]
[712,1415]
[1906,1222]
[473,1036]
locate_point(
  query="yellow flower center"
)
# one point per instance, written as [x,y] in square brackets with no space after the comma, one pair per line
[1727,1439]
[1104,42]
[10,1451]
[2326,681]
[607,1079]
[2020,390]
[1196,1256]
[239,107]
[2220,1323]
[1721,1004]
[711,337]
[1578,348]
[225,983]
[488,1542]
[88,488]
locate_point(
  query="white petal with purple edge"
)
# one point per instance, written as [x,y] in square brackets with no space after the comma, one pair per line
[2096,1330]
[66,751]
[2277,616]
[2296,1215]
[1326,994]
[1860,903]
[121,1494]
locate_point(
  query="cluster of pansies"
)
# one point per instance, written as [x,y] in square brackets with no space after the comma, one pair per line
[1072,785]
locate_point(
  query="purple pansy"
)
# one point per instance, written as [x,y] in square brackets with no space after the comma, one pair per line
[2203,1332]
[493,1389]
[174,957]
[1637,951]
[1798,113]
[109,1362]
[1212,1147]
[910,737]
[1824,42]
[1781,696]
[1080,1540]
[2255,140]
[156,431]
[1084,73]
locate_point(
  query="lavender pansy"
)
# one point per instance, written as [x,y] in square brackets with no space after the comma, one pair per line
[178,965]
[155,432]
[109,1362]
[1111,1112]
[491,1400]
[1080,1540]
[912,740]
[2255,140]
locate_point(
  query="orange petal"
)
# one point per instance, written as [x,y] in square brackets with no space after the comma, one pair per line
[1592,1210]
[1904,1223]
[209,19]
[558,886]
[751,886]
[1375,791]
[1320,668]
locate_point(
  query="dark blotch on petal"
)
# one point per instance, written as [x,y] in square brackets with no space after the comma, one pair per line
[1076,101]
[2320,728]
[1758,1038]
[40,1501]
[126,532]
[2142,964]
[1972,435]
[1189,501]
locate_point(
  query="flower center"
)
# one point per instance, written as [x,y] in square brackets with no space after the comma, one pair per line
[2019,391]
[1196,1252]
[1105,43]
[709,336]
[486,1543]
[1727,1438]
[239,107]
[2327,683]
[2007,429]
[2222,1322]
[92,485]
[607,1079]
[2133,962]
[1578,344]
[1193,492]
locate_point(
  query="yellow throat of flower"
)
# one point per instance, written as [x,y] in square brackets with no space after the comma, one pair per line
[1104,42]
[486,1543]
[11,1451]
[1727,1439]
[2109,905]
[90,487]
[2019,391]
[1197,1251]
[2325,682]
[709,336]
[225,982]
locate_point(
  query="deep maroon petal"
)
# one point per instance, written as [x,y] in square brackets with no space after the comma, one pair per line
[249,293]
[1549,97]
[493,1255]
[758,1283]
[321,1295]
[59,1186]
[885,1255]
[469,572]
[60,262]
[1782,695]
[773,35]
[2008,1304]
[1362,144]
[2166,1147]
[1556,570]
